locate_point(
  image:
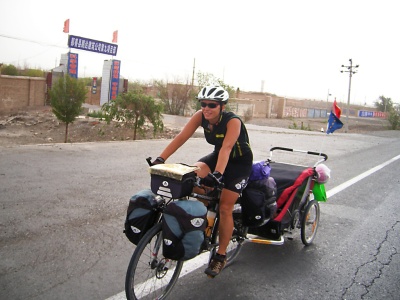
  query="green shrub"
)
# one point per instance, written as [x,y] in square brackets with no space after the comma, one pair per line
[67,96]
[9,70]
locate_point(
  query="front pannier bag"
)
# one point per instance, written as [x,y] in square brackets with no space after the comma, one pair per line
[183,229]
[141,215]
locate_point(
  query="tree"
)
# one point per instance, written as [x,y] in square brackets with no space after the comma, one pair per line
[174,96]
[9,70]
[384,104]
[134,108]
[394,119]
[67,97]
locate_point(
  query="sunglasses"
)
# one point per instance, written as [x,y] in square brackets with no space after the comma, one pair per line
[210,105]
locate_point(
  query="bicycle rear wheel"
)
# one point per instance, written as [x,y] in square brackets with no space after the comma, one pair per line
[150,275]
[236,242]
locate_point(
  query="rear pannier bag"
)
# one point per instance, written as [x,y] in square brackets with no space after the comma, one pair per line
[141,215]
[183,229]
[259,202]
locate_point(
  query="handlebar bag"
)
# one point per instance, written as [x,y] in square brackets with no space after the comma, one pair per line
[183,229]
[172,180]
[258,202]
[141,215]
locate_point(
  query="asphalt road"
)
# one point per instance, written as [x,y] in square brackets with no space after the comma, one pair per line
[63,208]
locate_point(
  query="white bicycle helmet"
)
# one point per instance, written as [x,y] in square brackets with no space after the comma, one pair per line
[215,93]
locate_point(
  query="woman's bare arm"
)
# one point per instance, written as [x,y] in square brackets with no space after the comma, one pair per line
[183,136]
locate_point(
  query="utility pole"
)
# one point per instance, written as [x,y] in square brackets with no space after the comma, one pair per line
[327,98]
[351,70]
[194,63]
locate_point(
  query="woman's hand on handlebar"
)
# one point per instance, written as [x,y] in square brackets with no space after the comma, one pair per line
[157,161]
[212,180]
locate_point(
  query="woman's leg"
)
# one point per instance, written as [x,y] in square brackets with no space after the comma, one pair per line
[218,261]
[226,204]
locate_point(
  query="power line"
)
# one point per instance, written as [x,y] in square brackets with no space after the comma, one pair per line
[31,41]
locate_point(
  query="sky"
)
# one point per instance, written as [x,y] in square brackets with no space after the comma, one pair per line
[289,48]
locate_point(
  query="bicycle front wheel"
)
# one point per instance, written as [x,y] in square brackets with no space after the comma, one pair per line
[150,275]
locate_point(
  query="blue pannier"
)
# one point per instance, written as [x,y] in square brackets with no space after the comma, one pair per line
[183,229]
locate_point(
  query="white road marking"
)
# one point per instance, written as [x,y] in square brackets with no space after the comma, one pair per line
[199,261]
[188,267]
[352,181]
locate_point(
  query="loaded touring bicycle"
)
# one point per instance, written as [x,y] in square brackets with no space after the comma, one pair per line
[169,225]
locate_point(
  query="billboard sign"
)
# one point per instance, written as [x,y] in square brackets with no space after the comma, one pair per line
[115,68]
[371,114]
[94,85]
[82,43]
[72,68]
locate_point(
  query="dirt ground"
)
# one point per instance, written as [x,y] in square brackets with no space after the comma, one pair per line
[40,126]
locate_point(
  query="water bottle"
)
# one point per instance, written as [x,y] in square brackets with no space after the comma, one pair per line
[237,209]
[210,222]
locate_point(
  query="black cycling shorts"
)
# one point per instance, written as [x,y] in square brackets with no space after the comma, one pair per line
[236,173]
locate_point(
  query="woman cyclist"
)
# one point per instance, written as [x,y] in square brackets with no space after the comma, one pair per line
[230,162]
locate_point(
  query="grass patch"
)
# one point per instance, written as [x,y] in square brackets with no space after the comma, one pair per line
[98,114]
[302,126]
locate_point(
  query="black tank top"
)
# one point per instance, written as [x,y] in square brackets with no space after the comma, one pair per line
[217,134]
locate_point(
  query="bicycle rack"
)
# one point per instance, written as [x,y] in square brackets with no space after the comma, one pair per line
[256,239]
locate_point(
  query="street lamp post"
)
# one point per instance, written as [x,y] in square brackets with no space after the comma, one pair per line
[351,70]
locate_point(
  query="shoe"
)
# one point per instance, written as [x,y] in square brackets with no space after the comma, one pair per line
[216,265]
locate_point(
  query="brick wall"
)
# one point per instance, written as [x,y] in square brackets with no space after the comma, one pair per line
[93,99]
[21,93]
[18,92]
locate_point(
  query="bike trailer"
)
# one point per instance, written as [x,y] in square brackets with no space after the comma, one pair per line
[141,215]
[172,180]
[293,185]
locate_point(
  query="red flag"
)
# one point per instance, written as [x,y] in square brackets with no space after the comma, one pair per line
[336,109]
[115,36]
[66,26]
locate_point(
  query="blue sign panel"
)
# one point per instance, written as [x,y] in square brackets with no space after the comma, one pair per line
[115,68]
[82,43]
[372,114]
[365,113]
